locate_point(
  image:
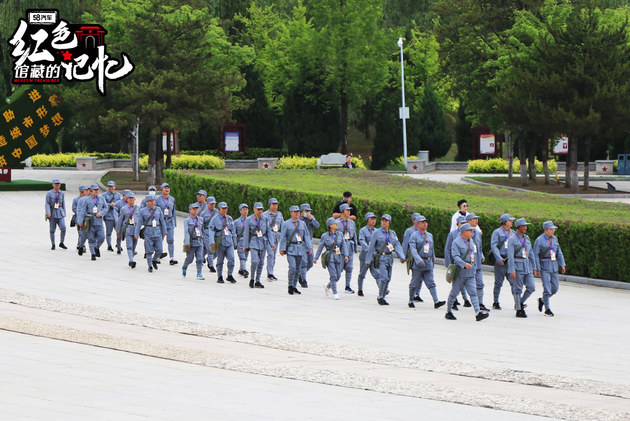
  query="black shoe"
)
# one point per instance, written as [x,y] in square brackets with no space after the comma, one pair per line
[132,265]
[158,261]
[480,316]
[383,302]
[379,301]
[212,269]
[439,304]
[109,248]
[150,269]
[172,262]
[163,255]
[483,308]
[303,283]
[118,251]
[52,247]
[220,280]
[258,285]
[455,307]
[63,246]
[456,303]
[94,257]
[541,303]
[295,290]
[80,251]
[548,313]
[290,290]
[240,272]
[467,303]
[496,306]
[251,283]
[230,279]
[97,252]
[450,316]
[521,314]
[155,265]
[360,293]
[272,278]
[418,299]
[245,273]
[411,304]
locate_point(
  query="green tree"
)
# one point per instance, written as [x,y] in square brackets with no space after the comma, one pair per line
[463,135]
[186,71]
[431,127]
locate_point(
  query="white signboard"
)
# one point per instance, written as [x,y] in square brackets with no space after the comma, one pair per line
[487,145]
[561,146]
[232,142]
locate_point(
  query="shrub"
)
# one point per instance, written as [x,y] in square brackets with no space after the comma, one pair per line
[190,162]
[500,166]
[296,163]
[252,153]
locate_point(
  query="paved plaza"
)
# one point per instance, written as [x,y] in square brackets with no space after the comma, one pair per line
[82,338]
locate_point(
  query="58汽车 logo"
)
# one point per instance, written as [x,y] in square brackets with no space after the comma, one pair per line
[46,49]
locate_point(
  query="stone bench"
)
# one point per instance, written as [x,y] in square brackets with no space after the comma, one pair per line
[332,160]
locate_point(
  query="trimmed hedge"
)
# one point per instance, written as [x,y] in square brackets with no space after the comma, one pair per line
[500,166]
[252,153]
[68,159]
[303,163]
[190,162]
[586,245]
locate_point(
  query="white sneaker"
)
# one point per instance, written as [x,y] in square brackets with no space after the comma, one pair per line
[200,277]
[326,289]
[336,296]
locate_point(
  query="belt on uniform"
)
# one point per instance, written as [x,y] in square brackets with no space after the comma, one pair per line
[296,242]
[519,257]
[385,253]
[166,219]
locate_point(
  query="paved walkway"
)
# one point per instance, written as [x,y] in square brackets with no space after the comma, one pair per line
[193,349]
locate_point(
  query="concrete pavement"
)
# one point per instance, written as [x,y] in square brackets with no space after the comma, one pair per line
[286,355]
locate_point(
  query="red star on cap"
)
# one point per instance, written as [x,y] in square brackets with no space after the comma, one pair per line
[67,56]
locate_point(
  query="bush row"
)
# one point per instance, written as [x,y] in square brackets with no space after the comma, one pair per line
[584,257]
[303,163]
[68,159]
[500,166]
[252,153]
[190,162]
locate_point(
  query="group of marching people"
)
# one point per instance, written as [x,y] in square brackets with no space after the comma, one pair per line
[210,235]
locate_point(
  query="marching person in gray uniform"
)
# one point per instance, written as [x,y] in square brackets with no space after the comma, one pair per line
[452,236]
[55,205]
[223,242]
[193,240]
[423,253]
[111,196]
[166,202]
[151,192]
[405,246]
[154,231]
[211,210]
[548,258]
[274,221]
[380,254]
[464,256]
[296,244]
[499,247]
[348,229]
[311,225]
[82,235]
[521,263]
[473,220]
[335,256]
[117,207]
[365,236]
[255,241]
[91,214]
[239,225]
[204,215]
[126,226]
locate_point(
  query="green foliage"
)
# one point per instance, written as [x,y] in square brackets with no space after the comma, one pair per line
[463,135]
[252,153]
[500,166]
[296,162]
[432,129]
[69,159]
[190,162]
[401,196]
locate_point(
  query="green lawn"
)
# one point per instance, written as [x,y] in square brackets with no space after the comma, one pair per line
[414,192]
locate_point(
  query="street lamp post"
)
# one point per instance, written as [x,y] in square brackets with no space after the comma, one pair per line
[403,111]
